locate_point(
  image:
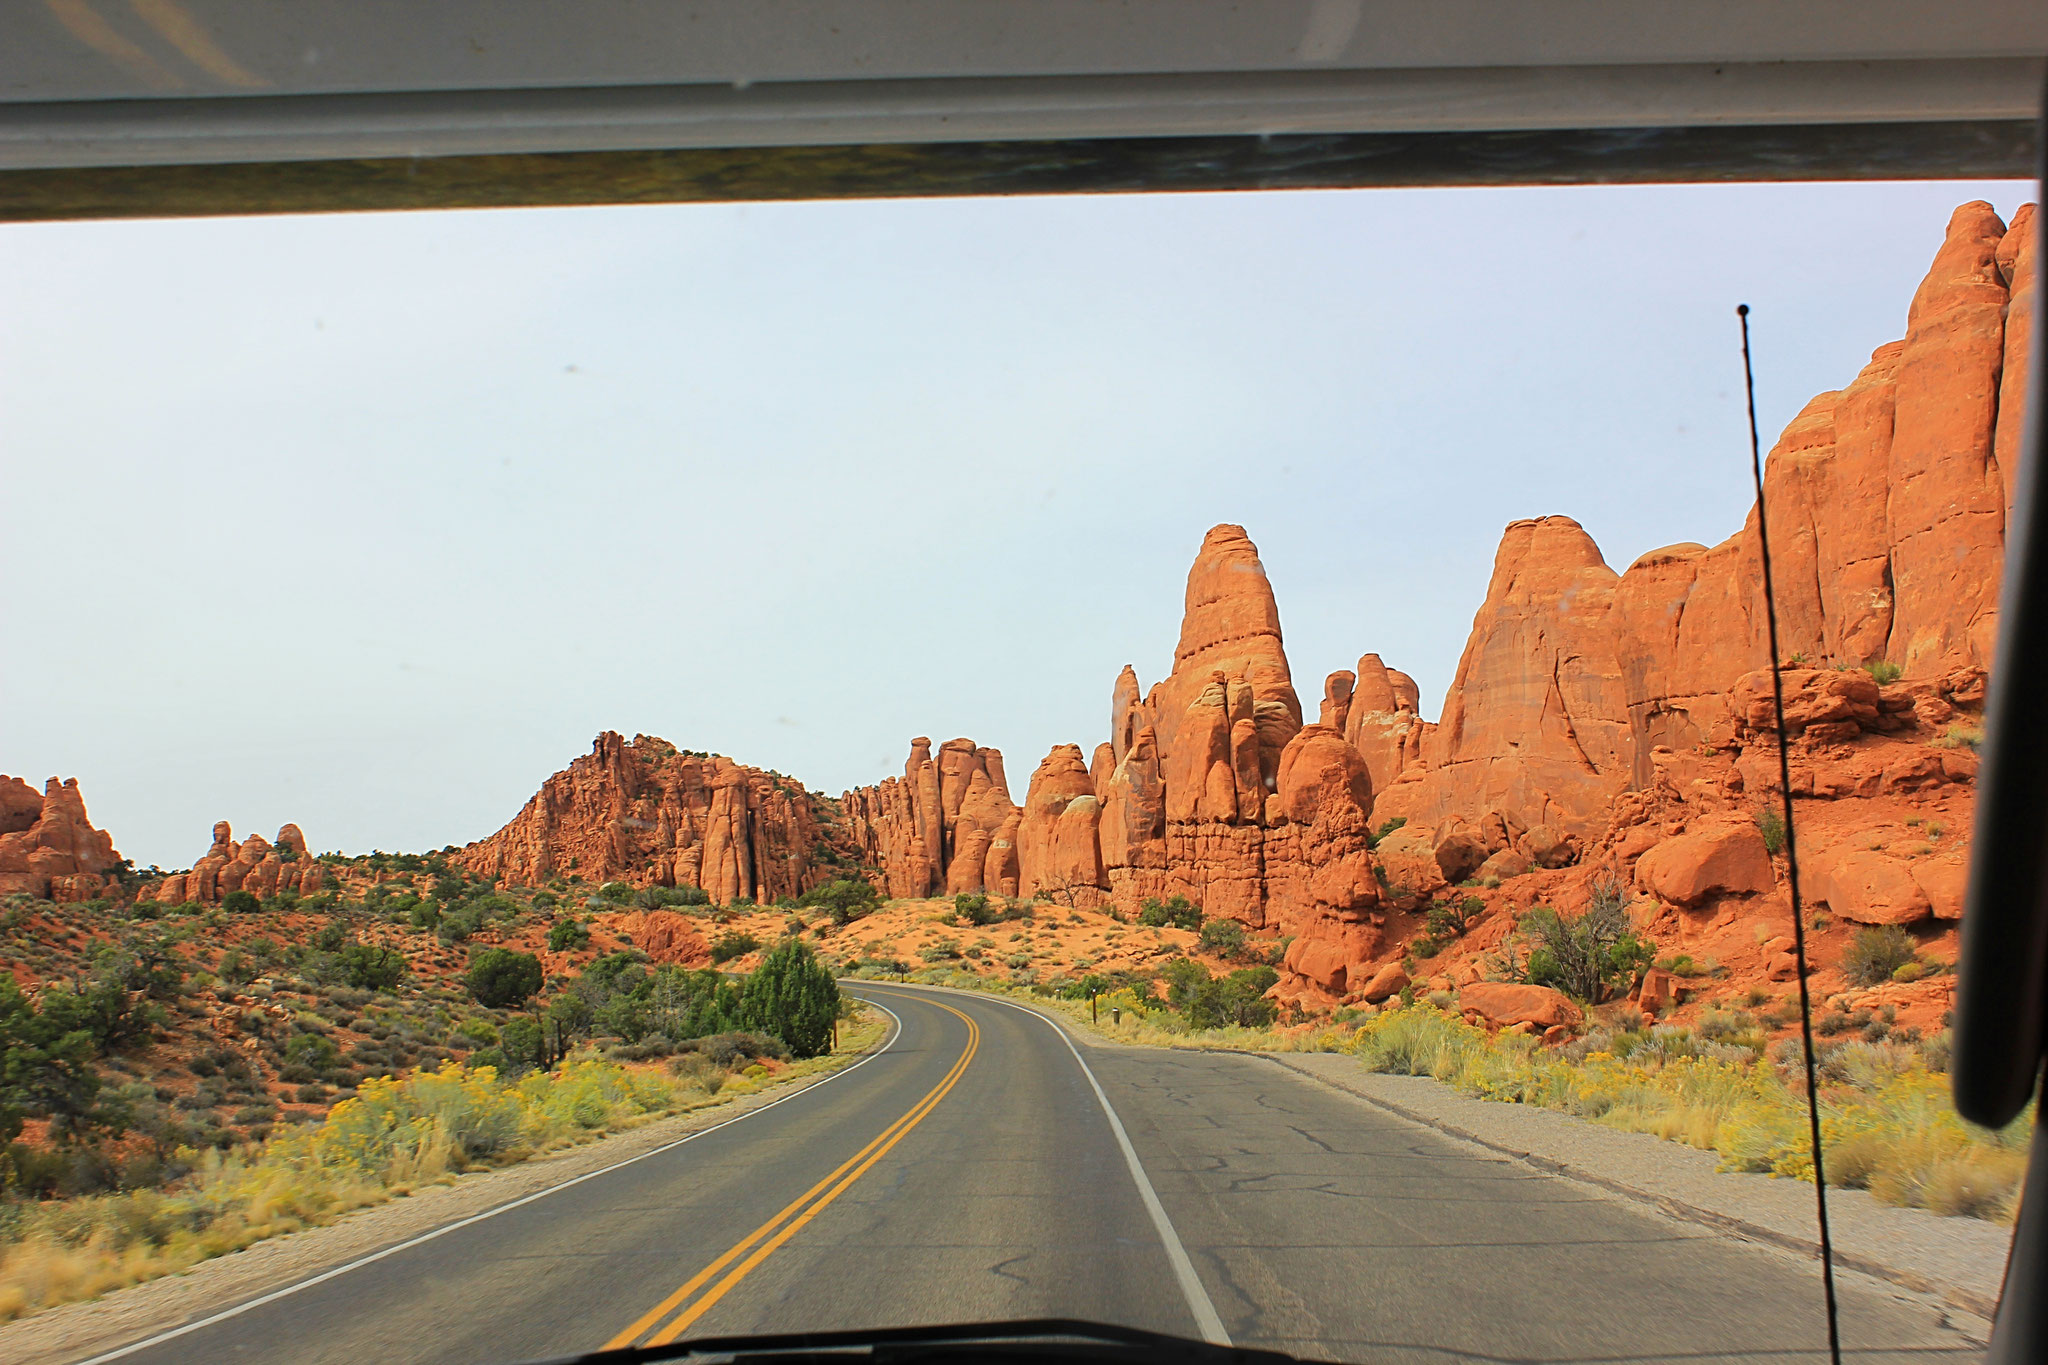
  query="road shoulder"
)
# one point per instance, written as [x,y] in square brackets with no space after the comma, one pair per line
[1960,1261]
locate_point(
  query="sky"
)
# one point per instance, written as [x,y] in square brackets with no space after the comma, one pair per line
[371,522]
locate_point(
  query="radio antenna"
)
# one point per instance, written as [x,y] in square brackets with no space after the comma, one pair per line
[1763,535]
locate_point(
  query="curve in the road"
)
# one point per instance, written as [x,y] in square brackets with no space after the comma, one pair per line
[793,1216]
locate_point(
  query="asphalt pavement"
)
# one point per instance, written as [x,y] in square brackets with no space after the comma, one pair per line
[983,1166]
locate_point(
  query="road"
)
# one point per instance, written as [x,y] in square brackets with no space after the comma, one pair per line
[971,1171]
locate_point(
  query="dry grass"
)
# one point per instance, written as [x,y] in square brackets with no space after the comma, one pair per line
[394,1137]
[1887,1123]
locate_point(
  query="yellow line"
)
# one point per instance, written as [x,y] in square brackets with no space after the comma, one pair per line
[883,1141]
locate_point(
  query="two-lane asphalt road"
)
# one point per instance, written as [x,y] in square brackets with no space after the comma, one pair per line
[982,1167]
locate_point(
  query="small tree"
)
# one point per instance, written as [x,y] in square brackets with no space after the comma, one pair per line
[974,909]
[566,935]
[845,899]
[500,978]
[618,893]
[792,996]
[240,902]
[370,967]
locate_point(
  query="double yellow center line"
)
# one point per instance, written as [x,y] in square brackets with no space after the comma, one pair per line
[758,1245]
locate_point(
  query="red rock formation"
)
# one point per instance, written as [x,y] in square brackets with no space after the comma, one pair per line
[940,829]
[254,865]
[2016,266]
[1383,722]
[1536,723]
[647,813]
[48,848]
[1058,853]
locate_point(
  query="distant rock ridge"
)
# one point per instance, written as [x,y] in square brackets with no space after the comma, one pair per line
[647,813]
[255,865]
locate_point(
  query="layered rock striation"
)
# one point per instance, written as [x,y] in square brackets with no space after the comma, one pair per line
[647,813]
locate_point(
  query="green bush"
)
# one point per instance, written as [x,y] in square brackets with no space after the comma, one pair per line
[460,923]
[1176,912]
[1224,936]
[500,978]
[1208,1002]
[974,909]
[369,967]
[1875,955]
[1590,958]
[731,944]
[1771,825]
[1372,840]
[1884,671]
[792,995]
[313,1051]
[845,899]
[688,895]
[618,893]
[240,903]
[567,935]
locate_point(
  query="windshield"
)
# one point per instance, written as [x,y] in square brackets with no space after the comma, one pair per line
[492,874]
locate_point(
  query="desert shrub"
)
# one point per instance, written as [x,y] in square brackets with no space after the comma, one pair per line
[566,935]
[422,915]
[240,902]
[368,966]
[1876,953]
[1884,672]
[975,909]
[733,943]
[1225,936]
[1209,1002]
[316,1052]
[688,895]
[618,893]
[1372,839]
[460,923]
[793,996]
[1961,737]
[1177,912]
[736,1048]
[1771,824]
[845,899]
[1591,957]
[501,978]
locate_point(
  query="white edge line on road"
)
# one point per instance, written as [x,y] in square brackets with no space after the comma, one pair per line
[1206,1317]
[274,1295]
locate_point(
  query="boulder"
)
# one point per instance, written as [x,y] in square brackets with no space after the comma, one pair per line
[1548,846]
[1870,888]
[1657,991]
[1387,982]
[1459,855]
[1727,859]
[1507,1003]
[1944,881]
[1499,867]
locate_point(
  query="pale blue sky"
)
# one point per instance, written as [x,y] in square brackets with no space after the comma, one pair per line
[371,522]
